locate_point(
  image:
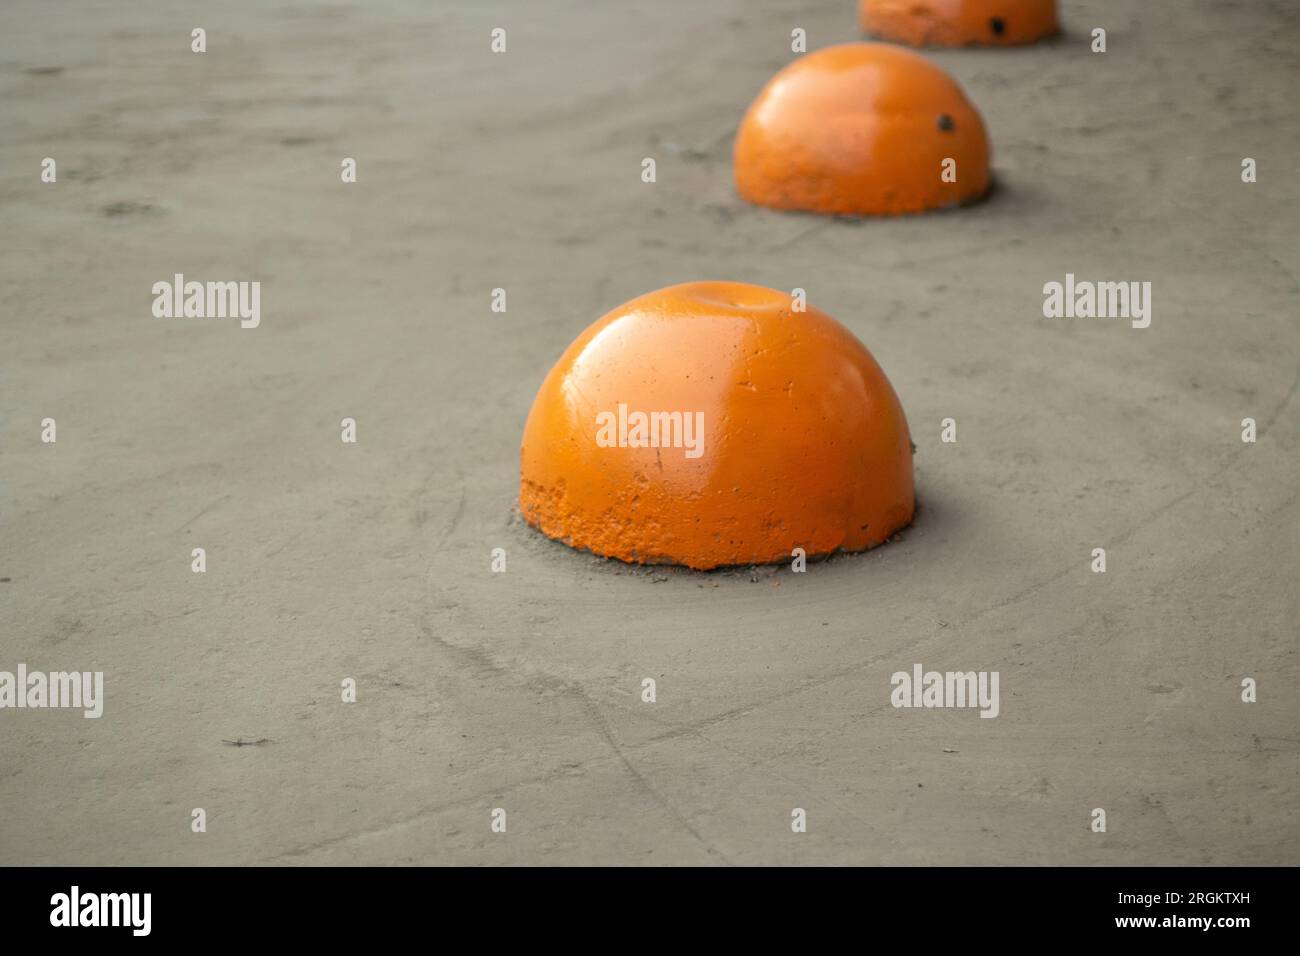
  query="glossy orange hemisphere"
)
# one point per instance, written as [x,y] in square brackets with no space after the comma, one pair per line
[861,129]
[959,22]
[795,436]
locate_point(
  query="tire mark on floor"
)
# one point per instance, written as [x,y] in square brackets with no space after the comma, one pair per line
[484,666]
[209,507]
[644,785]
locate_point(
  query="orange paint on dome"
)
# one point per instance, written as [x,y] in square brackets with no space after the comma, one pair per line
[861,129]
[775,430]
[959,22]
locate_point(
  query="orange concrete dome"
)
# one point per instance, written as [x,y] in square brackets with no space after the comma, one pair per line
[861,129]
[711,424]
[959,22]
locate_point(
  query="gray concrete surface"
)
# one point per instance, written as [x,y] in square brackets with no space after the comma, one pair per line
[522,690]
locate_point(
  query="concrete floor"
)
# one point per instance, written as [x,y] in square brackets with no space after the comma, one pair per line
[521,690]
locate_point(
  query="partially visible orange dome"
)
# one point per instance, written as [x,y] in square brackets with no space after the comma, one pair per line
[959,22]
[711,424]
[861,129]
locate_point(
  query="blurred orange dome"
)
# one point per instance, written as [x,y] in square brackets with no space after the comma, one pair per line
[959,22]
[861,129]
